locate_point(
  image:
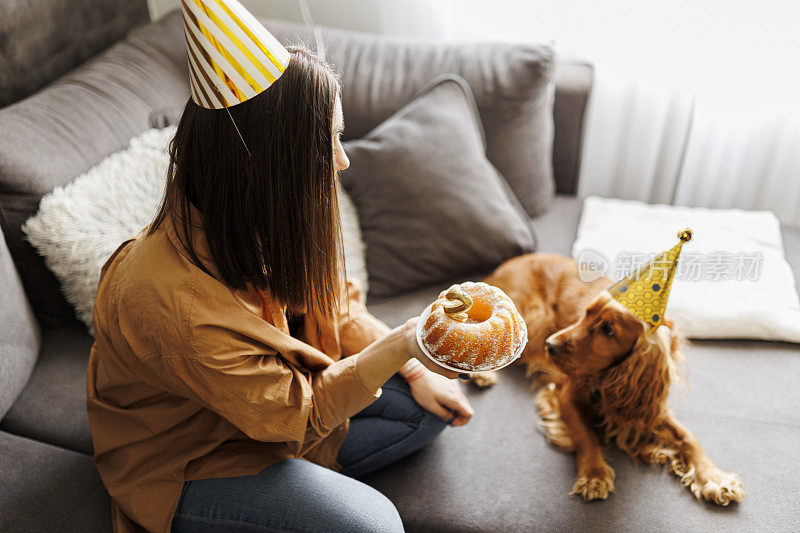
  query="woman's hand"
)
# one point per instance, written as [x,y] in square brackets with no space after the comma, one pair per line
[440,396]
[436,391]
[413,349]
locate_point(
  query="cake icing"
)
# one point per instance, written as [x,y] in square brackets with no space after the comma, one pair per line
[483,337]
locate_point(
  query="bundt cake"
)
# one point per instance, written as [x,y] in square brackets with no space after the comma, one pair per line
[473,326]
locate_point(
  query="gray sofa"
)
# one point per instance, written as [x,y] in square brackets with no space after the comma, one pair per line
[496,474]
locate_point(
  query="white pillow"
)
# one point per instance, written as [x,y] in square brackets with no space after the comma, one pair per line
[79,225]
[761,303]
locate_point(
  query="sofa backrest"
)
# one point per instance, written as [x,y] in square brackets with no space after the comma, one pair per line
[574,80]
[40,41]
[513,85]
[380,74]
[54,135]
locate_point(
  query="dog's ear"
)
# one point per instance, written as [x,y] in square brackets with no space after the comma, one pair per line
[634,391]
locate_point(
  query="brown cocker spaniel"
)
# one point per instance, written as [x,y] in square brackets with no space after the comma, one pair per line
[603,378]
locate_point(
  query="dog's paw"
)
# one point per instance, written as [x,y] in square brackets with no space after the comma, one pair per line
[595,484]
[484,380]
[714,485]
[550,412]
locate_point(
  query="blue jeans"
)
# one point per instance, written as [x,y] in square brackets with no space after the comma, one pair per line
[300,496]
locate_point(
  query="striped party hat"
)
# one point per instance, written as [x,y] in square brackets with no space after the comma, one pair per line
[232,56]
[644,293]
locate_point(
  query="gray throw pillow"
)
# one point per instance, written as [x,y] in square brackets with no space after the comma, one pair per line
[431,205]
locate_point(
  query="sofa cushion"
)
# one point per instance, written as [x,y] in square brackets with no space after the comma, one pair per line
[431,205]
[52,407]
[720,369]
[513,86]
[61,131]
[47,488]
[20,335]
[732,280]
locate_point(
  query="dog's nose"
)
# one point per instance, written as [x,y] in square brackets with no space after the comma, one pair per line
[553,348]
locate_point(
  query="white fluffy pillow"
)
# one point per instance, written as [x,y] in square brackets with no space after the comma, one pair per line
[733,280]
[80,224]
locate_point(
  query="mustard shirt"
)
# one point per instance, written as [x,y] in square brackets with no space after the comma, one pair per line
[189,379]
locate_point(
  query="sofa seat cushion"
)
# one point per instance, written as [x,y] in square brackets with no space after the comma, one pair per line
[47,488]
[52,407]
[555,229]
[743,379]
[499,474]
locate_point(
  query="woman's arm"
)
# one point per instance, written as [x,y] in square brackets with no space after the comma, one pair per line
[378,361]
[358,328]
[265,396]
[436,394]
[270,399]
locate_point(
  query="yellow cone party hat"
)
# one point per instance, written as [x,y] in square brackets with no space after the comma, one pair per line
[645,292]
[232,57]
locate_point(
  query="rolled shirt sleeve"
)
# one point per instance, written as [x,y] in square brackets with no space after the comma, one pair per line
[359,328]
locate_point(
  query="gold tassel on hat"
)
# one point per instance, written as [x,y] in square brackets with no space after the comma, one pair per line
[645,292]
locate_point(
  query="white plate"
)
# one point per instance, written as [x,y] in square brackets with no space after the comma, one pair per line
[421,323]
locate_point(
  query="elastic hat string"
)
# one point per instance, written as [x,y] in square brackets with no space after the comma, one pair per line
[239,132]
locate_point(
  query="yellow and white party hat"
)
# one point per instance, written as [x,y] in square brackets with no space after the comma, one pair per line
[232,56]
[645,292]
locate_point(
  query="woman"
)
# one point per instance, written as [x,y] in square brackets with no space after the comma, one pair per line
[230,351]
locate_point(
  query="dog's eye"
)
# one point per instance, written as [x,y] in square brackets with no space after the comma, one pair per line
[605,327]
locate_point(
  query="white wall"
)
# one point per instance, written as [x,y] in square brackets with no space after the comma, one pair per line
[742,46]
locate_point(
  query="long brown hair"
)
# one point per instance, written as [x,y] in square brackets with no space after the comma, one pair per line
[270,216]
